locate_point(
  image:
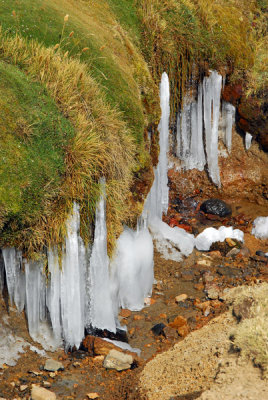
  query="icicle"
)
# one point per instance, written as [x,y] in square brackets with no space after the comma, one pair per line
[157,200]
[35,297]
[2,272]
[101,310]
[15,277]
[53,293]
[212,92]
[228,114]
[132,269]
[71,310]
[248,140]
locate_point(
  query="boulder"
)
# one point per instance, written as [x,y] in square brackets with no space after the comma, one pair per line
[117,360]
[216,207]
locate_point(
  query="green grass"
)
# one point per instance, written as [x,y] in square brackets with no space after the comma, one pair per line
[33,138]
[43,21]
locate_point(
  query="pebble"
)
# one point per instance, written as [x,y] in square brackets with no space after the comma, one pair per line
[76,364]
[213,292]
[53,366]
[178,322]
[216,207]
[39,393]
[205,263]
[93,395]
[233,252]
[117,360]
[23,387]
[230,242]
[183,330]
[52,374]
[46,384]
[158,329]
[181,297]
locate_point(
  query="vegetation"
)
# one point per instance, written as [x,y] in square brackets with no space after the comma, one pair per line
[79,84]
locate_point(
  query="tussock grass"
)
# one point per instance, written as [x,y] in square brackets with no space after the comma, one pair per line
[102,145]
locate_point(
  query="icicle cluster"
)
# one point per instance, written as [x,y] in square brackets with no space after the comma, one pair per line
[201,116]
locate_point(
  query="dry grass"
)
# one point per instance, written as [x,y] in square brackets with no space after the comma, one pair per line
[102,145]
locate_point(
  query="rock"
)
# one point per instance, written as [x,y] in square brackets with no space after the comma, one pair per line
[39,393]
[233,252]
[23,387]
[93,395]
[170,333]
[261,253]
[202,306]
[125,313]
[138,317]
[53,366]
[205,263]
[213,292]
[117,360]
[178,322]
[52,374]
[230,242]
[183,330]
[208,277]
[181,297]
[158,329]
[46,384]
[216,207]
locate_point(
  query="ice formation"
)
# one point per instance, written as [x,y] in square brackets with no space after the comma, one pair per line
[15,277]
[132,269]
[191,149]
[210,235]
[248,140]
[260,228]
[172,243]
[157,200]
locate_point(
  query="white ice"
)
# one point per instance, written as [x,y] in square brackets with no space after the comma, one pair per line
[15,276]
[172,243]
[132,269]
[248,140]
[210,235]
[101,308]
[228,115]
[260,228]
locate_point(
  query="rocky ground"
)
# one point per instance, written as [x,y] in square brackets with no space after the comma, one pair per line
[186,296]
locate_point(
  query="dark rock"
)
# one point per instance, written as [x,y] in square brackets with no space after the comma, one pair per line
[216,207]
[158,329]
[261,253]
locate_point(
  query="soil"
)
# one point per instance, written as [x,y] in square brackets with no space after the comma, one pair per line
[84,374]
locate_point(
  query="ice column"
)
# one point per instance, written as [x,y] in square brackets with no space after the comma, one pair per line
[72,310]
[101,310]
[228,114]
[190,147]
[53,293]
[15,277]
[157,200]
[212,93]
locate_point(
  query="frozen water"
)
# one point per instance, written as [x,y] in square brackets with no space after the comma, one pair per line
[15,277]
[190,147]
[72,312]
[124,346]
[132,269]
[157,200]
[210,235]
[260,228]
[248,140]
[53,293]
[211,94]
[101,308]
[172,243]
[228,115]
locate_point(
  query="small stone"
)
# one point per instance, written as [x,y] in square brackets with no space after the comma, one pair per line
[205,263]
[35,373]
[178,322]
[76,364]
[39,393]
[233,252]
[207,312]
[181,297]
[230,242]
[53,366]
[117,360]
[52,374]
[216,207]
[99,358]
[13,384]
[202,306]
[213,292]
[23,387]
[170,333]
[125,313]
[93,395]
[46,384]
[183,330]
[158,329]
[208,277]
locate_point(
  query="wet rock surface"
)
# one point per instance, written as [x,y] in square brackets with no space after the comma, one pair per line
[216,207]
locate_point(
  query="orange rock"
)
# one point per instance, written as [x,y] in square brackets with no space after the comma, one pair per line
[138,317]
[183,330]
[202,306]
[125,313]
[178,322]
[163,316]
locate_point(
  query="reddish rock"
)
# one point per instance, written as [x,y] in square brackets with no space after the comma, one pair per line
[178,322]
[183,330]
[125,313]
